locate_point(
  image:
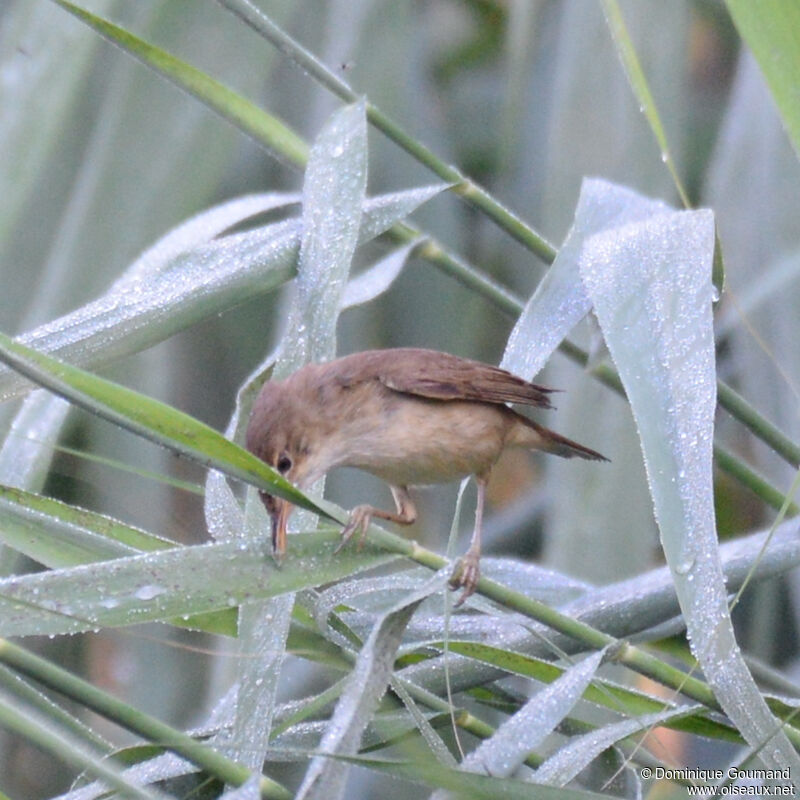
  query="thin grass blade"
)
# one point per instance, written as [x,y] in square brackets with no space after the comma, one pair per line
[277,137]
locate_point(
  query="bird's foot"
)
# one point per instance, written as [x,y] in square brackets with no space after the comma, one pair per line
[466,574]
[360,518]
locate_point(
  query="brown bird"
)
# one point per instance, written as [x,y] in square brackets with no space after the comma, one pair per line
[408,416]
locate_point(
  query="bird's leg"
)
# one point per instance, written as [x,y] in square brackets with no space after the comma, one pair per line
[360,516]
[468,569]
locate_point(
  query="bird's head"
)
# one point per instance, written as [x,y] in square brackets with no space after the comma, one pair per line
[279,433]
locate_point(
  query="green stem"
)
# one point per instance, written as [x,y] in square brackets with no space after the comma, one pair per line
[55,714]
[58,679]
[727,462]
[770,434]
[23,721]
[463,186]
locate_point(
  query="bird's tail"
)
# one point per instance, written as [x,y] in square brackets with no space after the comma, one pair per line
[536,437]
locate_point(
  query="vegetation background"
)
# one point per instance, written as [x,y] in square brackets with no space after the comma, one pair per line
[99,157]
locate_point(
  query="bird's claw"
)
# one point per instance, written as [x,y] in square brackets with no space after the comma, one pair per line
[360,518]
[466,575]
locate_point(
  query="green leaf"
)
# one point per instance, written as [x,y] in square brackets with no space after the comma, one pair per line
[277,137]
[772,30]
[333,198]
[172,583]
[466,783]
[60,535]
[149,418]
[602,692]
[365,686]
[640,87]
[561,767]
[508,747]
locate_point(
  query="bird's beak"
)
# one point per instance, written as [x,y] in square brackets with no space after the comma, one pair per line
[280,516]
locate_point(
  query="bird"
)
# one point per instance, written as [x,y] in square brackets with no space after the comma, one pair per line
[411,417]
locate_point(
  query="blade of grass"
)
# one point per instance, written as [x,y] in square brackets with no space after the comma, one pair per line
[59,535]
[150,475]
[641,88]
[27,451]
[526,730]
[465,783]
[149,418]
[266,129]
[771,28]
[25,692]
[638,81]
[169,584]
[561,767]
[365,686]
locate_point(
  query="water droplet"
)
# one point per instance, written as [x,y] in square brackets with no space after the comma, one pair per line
[684,565]
[148,592]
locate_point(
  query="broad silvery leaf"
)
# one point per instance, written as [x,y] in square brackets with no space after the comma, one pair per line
[326,777]
[650,285]
[560,300]
[333,198]
[513,741]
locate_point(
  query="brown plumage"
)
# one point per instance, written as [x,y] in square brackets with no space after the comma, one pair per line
[409,416]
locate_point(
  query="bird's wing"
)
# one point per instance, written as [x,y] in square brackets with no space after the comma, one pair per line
[440,376]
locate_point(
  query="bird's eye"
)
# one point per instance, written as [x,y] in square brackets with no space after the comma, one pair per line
[284,464]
